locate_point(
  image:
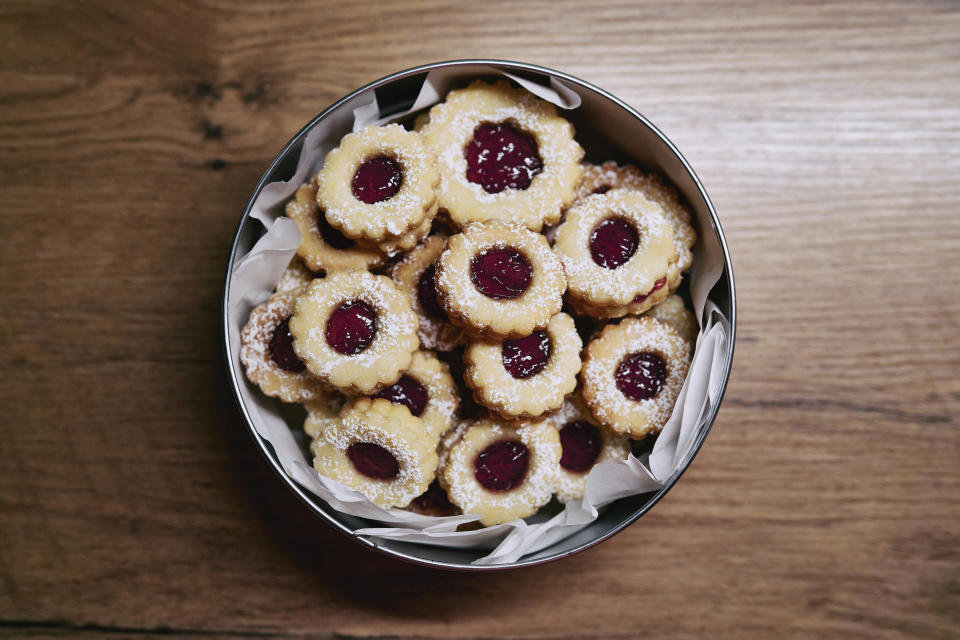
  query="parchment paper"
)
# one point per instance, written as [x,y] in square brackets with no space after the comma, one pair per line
[256,274]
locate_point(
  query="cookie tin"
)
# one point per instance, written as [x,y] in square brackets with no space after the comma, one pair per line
[621,133]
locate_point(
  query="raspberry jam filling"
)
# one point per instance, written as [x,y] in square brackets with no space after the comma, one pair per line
[281,348]
[408,392]
[427,293]
[500,156]
[613,242]
[659,284]
[528,356]
[377,179]
[641,375]
[581,443]
[373,461]
[501,273]
[332,236]
[502,466]
[351,327]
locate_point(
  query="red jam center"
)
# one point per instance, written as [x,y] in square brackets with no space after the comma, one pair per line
[500,156]
[332,236]
[501,273]
[427,293]
[377,179]
[281,348]
[612,242]
[581,443]
[408,392]
[659,284]
[528,356]
[640,376]
[502,466]
[351,327]
[373,461]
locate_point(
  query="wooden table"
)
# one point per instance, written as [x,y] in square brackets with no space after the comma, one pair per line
[826,501]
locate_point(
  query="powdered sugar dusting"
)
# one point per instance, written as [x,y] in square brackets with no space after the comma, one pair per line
[605,353]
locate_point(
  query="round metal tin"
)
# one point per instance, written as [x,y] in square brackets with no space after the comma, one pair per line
[661,155]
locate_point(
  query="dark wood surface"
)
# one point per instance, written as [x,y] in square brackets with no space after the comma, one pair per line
[826,502]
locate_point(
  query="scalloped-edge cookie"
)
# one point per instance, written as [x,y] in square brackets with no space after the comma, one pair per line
[378,184]
[502,471]
[502,154]
[267,354]
[355,330]
[528,376]
[379,449]
[499,280]
[632,374]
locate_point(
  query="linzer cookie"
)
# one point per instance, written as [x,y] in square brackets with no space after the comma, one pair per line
[266,351]
[323,248]
[416,274]
[525,376]
[607,176]
[502,471]
[632,374]
[355,330]
[615,247]
[584,443]
[427,390]
[379,184]
[502,154]
[499,280]
[379,449]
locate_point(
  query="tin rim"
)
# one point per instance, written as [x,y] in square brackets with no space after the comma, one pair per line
[300,492]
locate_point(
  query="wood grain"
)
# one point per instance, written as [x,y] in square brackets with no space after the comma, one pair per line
[826,502]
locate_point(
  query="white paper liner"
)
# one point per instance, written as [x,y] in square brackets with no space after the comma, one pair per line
[257,272]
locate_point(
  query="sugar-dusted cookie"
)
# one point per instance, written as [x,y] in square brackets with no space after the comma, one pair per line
[603,178]
[427,390]
[615,247]
[378,184]
[499,280]
[525,376]
[266,351]
[415,274]
[632,373]
[355,330]
[584,443]
[502,471]
[323,248]
[379,449]
[502,154]
[673,312]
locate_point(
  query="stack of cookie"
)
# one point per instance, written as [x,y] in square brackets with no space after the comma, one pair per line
[478,243]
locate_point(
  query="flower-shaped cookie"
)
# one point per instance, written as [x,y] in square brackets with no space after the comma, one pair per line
[266,351]
[499,280]
[502,154]
[502,471]
[355,330]
[525,376]
[379,449]
[632,373]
